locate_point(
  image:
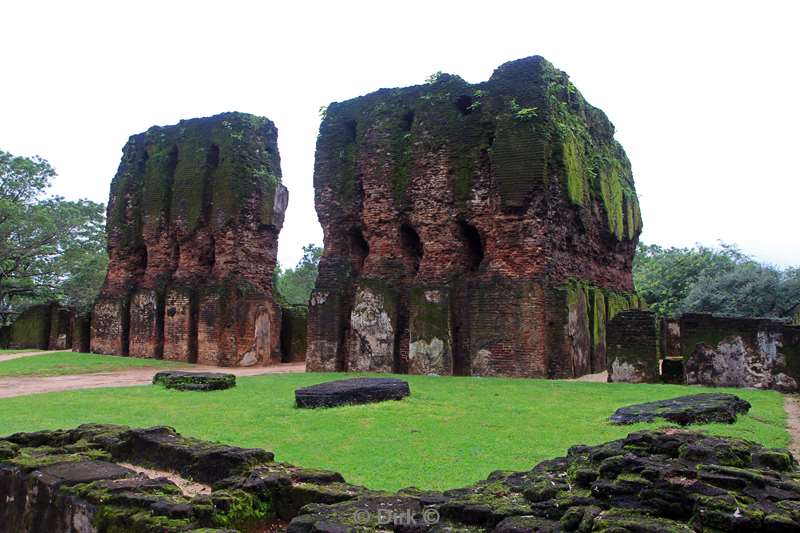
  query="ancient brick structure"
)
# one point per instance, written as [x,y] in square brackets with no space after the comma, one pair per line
[740,352]
[483,229]
[193,221]
[633,347]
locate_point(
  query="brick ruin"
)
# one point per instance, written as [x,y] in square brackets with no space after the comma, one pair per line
[484,229]
[704,349]
[193,221]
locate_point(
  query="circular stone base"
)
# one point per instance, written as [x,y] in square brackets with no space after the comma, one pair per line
[194,381]
[351,391]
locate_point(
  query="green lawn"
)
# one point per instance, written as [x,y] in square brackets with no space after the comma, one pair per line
[62,363]
[6,351]
[450,432]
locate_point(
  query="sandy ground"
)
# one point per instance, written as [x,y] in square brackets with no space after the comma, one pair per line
[600,377]
[17,355]
[791,403]
[21,386]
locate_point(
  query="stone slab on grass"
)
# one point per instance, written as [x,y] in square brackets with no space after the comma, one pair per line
[351,391]
[194,381]
[684,410]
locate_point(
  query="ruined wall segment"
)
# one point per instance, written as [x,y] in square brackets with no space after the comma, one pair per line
[193,221]
[723,351]
[483,229]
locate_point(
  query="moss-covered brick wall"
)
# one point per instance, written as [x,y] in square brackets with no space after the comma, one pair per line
[195,205]
[45,326]
[512,184]
[31,329]
[633,347]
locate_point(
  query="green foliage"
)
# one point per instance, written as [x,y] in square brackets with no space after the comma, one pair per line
[748,289]
[50,248]
[294,285]
[716,280]
[479,424]
[435,77]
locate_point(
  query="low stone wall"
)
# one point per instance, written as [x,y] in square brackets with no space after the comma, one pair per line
[113,478]
[44,327]
[740,352]
[633,347]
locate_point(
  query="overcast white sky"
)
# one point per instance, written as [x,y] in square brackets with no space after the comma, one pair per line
[703,94]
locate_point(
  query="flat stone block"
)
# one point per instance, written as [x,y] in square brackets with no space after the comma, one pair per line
[351,391]
[684,410]
[194,381]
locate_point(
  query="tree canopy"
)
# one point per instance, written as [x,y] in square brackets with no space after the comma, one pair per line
[294,285]
[717,280]
[50,248]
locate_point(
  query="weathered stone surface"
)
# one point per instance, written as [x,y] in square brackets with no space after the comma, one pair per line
[194,381]
[684,410]
[483,229]
[650,481]
[740,352]
[193,221]
[633,347]
[351,391]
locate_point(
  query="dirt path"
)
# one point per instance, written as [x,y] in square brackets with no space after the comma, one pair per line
[17,355]
[600,377]
[21,386]
[791,403]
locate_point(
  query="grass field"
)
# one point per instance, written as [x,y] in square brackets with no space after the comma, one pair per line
[6,351]
[63,363]
[450,432]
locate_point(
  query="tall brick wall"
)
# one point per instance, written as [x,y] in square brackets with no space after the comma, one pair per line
[193,221]
[483,229]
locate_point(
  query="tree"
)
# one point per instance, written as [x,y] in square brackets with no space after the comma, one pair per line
[294,285]
[50,248]
[664,276]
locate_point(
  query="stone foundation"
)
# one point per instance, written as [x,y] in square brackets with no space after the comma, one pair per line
[112,478]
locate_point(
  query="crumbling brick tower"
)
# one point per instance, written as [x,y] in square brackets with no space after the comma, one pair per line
[481,229]
[193,221]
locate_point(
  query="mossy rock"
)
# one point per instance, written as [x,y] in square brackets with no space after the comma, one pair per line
[194,381]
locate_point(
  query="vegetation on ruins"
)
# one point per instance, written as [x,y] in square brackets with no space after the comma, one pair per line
[449,432]
[715,280]
[294,285]
[50,248]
